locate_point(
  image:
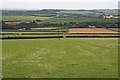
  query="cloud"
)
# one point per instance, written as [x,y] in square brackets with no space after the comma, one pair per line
[59,5]
[60,0]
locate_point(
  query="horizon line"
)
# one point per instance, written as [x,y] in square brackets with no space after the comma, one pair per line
[60,9]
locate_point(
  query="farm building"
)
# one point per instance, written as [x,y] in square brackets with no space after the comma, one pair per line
[107,16]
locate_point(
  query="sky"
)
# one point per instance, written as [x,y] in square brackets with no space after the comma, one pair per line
[58,4]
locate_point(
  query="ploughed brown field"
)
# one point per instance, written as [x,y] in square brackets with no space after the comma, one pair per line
[90,30]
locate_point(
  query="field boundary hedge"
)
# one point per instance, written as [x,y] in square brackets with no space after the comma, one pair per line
[39,37]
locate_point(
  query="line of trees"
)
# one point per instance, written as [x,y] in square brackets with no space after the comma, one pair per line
[65,24]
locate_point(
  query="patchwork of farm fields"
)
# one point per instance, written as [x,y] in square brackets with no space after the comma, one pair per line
[81,20]
[23,18]
[63,33]
[65,58]
[54,19]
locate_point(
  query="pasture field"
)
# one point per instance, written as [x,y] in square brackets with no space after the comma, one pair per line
[65,58]
[115,29]
[77,12]
[81,20]
[21,18]
[97,12]
[29,33]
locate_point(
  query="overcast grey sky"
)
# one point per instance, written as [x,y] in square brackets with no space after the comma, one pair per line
[59,4]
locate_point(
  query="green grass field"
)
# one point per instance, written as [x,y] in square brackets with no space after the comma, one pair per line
[80,20]
[30,33]
[23,18]
[115,29]
[65,58]
[97,12]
